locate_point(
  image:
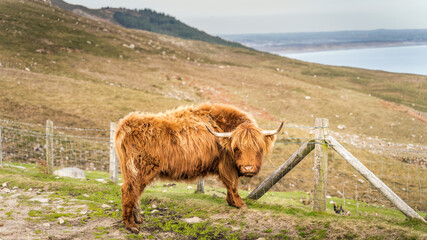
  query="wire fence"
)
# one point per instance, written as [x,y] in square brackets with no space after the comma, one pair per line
[401,167]
[86,149]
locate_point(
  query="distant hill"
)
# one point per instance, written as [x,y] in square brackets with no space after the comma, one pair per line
[311,41]
[85,73]
[147,20]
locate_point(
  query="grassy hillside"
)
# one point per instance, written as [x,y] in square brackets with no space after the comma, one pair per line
[64,208]
[149,20]
[85,73]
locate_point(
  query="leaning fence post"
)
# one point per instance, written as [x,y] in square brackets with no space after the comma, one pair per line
[114,162]
[320,164]
[49,146]
[201,186]
[1,152]
[286,167]
[373,179]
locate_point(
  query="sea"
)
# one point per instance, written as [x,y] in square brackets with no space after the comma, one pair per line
[402,59]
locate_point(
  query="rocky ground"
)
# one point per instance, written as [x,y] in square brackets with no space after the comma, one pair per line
[33,214]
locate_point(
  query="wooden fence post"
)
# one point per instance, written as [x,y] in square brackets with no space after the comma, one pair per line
[374,180]
[201,186]
[49,147]
[114,160]
[320,165]
[269,182]
[1,152]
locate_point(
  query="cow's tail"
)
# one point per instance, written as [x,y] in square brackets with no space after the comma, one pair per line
[126,161]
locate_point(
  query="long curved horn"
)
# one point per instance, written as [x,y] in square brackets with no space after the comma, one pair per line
[218,134]
[272,132]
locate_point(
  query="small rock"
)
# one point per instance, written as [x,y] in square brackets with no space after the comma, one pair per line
[235,228]
[42,200]
[360,180]
[72,172]
[215,195]
[261,238]
[189,187]
[192,220]
[86,195]
[61,221]
[4,184]
[111,201]
[307,97]
[30,189]
[15,195]
[328,196]
[165,190]
[105,206]
[83,212]
[101,180]
[154,211]
[341,127]
[14,166]
[15,187]
[154,206]
[46,225]
[6,190]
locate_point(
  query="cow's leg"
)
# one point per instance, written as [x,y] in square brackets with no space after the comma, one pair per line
[229,177]
[129,200]
[137,213]
[148,173]
[233,198]
[137,209]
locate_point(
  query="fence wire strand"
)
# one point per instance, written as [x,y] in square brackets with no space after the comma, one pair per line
[403,169]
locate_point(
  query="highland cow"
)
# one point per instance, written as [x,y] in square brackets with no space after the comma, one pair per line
[185,144]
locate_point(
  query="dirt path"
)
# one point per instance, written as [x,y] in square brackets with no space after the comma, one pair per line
[404,109]
[34,214]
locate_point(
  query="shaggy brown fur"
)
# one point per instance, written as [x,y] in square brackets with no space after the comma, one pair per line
[176,145]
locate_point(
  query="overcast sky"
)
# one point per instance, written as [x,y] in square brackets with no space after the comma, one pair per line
[278,16]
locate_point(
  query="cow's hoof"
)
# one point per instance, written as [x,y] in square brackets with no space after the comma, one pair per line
[139,219]
[133,229]
[243,205]
[137,216]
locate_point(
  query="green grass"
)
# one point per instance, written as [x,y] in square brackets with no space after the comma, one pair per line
[180,202]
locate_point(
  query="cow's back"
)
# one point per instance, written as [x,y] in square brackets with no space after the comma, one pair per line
[176,141]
